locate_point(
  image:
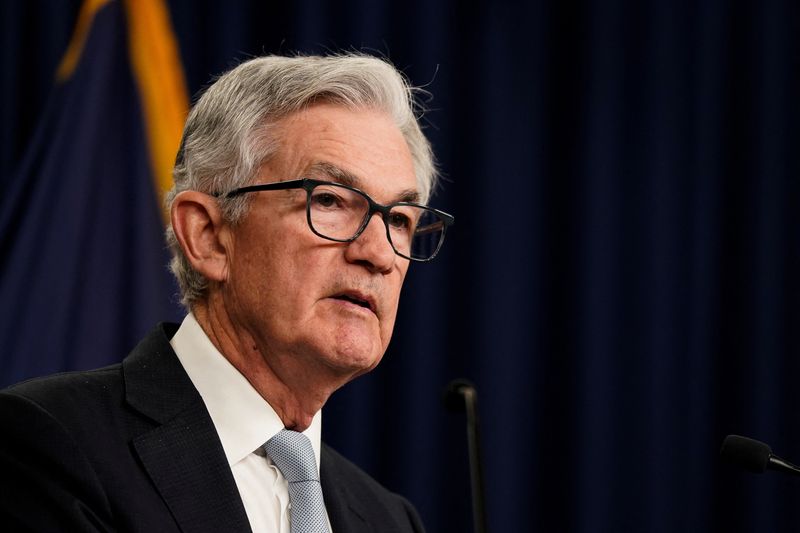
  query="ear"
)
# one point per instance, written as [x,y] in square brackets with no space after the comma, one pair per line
[201,231]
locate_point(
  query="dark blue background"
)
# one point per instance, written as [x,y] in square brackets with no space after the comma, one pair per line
[622,283]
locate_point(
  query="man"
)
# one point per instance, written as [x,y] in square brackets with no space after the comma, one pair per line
[298,203]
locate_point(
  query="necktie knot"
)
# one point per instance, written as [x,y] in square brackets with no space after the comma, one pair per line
[293,454]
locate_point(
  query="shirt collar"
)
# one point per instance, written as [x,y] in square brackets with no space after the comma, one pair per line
[242,417]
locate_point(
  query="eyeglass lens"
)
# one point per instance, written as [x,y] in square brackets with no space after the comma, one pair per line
[338,213]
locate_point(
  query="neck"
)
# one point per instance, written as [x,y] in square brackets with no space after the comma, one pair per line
[293,390]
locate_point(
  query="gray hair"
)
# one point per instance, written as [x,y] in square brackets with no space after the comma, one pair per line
[230,131]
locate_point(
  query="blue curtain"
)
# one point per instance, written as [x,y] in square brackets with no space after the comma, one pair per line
[622,283]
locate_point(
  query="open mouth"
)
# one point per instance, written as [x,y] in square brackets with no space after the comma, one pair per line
[355,300]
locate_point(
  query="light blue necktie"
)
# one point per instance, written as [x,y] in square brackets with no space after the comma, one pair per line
[293,455]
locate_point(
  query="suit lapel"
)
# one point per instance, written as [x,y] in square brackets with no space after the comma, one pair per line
[344,510]
[182,455]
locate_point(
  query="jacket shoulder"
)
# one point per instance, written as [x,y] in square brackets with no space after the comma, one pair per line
[66,455]
[63,389]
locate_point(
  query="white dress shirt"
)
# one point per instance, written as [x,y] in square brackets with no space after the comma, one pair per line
[244,422]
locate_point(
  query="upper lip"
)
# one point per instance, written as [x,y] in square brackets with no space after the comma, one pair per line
[359,297]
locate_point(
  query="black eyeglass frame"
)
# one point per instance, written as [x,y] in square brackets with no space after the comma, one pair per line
[309,184]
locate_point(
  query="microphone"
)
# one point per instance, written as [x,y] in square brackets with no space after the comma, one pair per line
[754,456]
[460,396]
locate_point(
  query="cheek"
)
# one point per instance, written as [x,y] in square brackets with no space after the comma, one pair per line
[284,282]
[388,321]
[295,279]
[262,276]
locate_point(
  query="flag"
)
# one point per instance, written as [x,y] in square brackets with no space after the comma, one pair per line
[83,264]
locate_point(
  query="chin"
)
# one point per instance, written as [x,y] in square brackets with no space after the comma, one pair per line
[355,362]
[357,344]
[355,359]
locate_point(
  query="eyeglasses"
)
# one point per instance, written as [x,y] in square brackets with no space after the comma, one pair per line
[341,213]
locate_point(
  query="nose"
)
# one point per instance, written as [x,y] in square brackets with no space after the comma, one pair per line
[372,248]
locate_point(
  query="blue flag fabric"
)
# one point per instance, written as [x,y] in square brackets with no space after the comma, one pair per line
[83,262]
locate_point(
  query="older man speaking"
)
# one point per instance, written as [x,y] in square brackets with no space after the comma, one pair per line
[299,201]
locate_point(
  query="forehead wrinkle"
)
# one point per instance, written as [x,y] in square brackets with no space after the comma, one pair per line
[339,175]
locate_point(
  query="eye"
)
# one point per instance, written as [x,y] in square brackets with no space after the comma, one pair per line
[399,221]
[326,199]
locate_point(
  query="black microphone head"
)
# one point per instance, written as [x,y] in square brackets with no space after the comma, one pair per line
[453,395]
[747,453]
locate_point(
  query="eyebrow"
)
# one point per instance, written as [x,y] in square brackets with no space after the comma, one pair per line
[344,177]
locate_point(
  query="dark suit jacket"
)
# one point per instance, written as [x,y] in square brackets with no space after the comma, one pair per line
[131,447]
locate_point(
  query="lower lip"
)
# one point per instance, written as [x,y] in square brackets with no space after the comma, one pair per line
[350,305]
